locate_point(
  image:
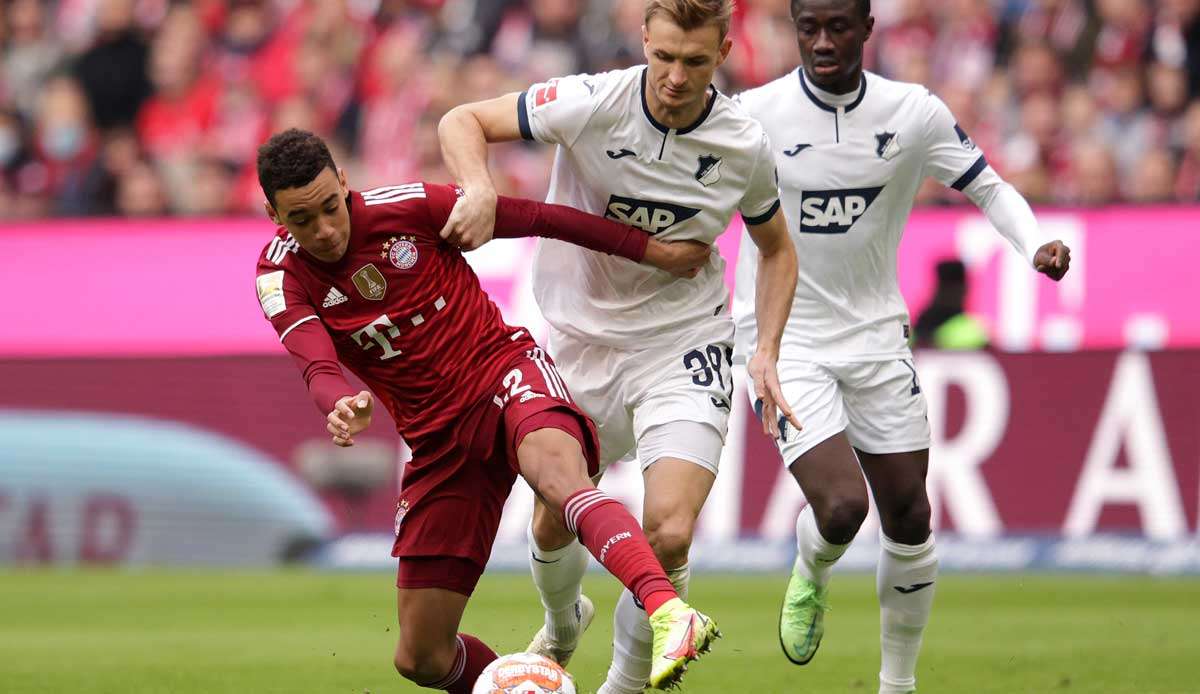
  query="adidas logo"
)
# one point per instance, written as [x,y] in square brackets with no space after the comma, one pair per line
[333,298]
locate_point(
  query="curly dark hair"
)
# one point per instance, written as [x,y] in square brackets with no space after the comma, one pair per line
[864,8]
[291,159]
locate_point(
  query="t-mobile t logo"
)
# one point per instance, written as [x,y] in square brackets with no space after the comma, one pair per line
[612,541]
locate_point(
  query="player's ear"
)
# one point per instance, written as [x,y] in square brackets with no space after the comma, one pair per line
[342,182]
[726,46]
[870,27]
[271,213]
[646,41]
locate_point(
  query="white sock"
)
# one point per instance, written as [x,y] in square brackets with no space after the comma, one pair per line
[815,556]
[632,640]
[905,584]
[558,575]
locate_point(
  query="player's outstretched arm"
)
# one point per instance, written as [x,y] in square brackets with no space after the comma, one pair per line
[954,159]
[1012,216]
[775,289]
[516,217]
[464,134]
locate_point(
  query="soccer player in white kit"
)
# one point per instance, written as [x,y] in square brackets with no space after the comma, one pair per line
[852,149]
[645,354]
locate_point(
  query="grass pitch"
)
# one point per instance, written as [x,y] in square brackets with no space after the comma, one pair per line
[298,631]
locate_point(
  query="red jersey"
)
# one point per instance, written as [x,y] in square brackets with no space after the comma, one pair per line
[402,309]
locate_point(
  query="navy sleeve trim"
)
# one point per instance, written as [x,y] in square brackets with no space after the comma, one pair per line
[971,174]
[762,218]
[523,118]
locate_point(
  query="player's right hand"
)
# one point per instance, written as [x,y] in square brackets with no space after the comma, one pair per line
[472,221]
[350,415]
[769,393]
[680,258]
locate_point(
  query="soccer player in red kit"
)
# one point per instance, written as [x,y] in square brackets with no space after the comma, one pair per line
[365,279]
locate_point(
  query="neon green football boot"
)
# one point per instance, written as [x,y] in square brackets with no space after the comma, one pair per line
[681,635]
[802,618]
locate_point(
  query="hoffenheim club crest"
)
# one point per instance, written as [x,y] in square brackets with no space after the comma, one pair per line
[709,171]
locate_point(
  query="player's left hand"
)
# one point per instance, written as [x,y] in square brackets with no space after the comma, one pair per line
[1053,260]
[472,221]
[767,390]
[680,258]
[350,415]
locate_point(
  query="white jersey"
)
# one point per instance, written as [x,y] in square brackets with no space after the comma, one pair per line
[849,170]
[614,159]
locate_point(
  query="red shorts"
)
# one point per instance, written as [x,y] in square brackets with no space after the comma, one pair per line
[454,489]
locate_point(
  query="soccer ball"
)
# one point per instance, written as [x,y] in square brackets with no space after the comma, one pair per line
[524,673]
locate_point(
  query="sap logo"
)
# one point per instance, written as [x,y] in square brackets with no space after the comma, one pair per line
[647,215]
[834,211]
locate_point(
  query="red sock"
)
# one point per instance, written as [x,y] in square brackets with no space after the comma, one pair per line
[616,540]
[473,656]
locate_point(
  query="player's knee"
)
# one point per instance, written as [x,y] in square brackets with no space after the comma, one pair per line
[671,538]
[553,464]
[424,663]
[842,518]
[908,523]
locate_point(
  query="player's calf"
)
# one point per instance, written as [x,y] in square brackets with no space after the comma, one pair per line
[424,661]
[452,667]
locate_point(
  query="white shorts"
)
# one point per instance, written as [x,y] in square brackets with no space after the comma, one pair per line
[628,392]
[879,404]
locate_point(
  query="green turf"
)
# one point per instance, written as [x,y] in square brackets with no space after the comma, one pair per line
[288,632]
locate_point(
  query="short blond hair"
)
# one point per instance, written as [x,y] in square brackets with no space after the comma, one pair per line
[693,14]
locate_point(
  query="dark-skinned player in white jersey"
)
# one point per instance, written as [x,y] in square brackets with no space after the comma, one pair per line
[852,149]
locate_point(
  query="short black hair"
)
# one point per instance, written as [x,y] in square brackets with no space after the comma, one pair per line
[864,8]
[291,159]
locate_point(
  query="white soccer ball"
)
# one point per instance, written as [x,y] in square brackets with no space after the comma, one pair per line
[524,673]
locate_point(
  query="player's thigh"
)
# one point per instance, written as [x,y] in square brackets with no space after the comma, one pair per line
[593,375]
[885,407]
[682,400]
[450,504]
[832,482]
[550,441]
[813,393]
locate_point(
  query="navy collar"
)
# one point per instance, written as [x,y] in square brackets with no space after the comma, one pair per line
[664,129]
[862,92]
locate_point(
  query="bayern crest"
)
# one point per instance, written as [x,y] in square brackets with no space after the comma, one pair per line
[401,512]
[402,253]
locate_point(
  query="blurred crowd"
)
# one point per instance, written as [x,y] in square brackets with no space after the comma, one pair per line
[154,107]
